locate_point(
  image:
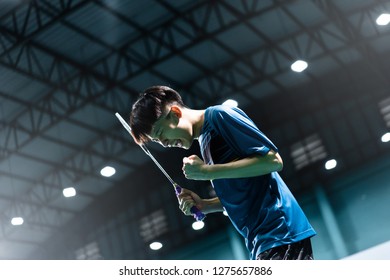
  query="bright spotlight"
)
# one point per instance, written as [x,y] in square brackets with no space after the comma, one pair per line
[69,192]
[17,221]
[155,246]
[230,103]
[197,225]
[299,66]
[330,164]
[386,137]
[383,19]
[107,171]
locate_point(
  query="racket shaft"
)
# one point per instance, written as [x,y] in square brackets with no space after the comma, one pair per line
[198,215]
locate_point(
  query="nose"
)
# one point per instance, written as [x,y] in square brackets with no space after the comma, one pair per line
[165,143]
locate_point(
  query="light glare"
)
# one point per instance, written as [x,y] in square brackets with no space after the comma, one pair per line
[197,225]
[383,19]
[330,164]
[69,192]
[386,137]
[107,171]
[299,66]
[156,245]
[17,221]
[230,103]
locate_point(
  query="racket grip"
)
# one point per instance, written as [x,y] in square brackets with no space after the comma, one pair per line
[198,215]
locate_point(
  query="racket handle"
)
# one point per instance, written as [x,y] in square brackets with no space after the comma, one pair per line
[198,215]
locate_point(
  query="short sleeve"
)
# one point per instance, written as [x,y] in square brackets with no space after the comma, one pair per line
[239,131]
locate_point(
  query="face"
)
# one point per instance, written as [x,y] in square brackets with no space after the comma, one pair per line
[172,130]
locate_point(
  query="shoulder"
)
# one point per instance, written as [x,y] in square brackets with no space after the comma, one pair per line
[216,109]
[222,116]
[218,112]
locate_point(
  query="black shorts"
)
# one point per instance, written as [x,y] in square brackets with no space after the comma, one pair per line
[300,250]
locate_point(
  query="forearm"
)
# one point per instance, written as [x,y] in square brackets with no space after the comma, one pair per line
[211,205]
[247,167]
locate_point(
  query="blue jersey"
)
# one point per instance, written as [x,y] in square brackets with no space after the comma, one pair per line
[261,208]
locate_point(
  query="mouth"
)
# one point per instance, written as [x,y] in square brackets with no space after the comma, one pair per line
[178,143]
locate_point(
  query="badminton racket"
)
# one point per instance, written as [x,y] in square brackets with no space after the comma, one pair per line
[198,215]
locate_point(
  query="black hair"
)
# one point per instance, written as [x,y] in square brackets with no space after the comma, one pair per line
[148,108]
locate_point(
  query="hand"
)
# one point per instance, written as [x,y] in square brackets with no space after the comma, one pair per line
[187,199]
[194,168]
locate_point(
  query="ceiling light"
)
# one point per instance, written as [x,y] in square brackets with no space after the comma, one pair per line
[383,19]
[197,225]
[225,213]
[330,164]
[107,171]
[230,103]
[155,246]
[17,221]
[69,192]
[299,66]
[386,137]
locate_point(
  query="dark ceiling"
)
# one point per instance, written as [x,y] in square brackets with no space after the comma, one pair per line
[67,66]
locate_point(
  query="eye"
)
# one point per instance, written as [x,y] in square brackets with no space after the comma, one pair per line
[157,136]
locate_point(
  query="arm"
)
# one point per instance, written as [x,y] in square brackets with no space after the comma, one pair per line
[194,168]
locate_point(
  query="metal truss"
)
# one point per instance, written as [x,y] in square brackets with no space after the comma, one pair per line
[353,34]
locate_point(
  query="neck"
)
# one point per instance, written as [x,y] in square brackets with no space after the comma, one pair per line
[197,120]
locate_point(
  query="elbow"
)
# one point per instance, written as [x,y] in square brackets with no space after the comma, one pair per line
[279,166]
[278,163]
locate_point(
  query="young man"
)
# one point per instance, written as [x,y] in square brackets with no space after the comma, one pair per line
[242,165]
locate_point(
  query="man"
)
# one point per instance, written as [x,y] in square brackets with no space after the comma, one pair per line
[242,165]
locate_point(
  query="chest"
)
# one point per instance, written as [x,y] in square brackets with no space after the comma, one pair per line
[215,149]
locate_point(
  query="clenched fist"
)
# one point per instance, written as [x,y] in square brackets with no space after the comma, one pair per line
[194,168]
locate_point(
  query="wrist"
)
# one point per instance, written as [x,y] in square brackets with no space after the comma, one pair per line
[211,205]
[213,172]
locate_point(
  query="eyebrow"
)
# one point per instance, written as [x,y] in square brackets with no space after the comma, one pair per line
[159,129]
[158,132]
[155,132]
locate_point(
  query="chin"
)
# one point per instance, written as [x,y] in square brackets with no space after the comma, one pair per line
[186,145]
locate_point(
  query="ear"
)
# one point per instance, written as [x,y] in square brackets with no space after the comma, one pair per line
[176,110]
